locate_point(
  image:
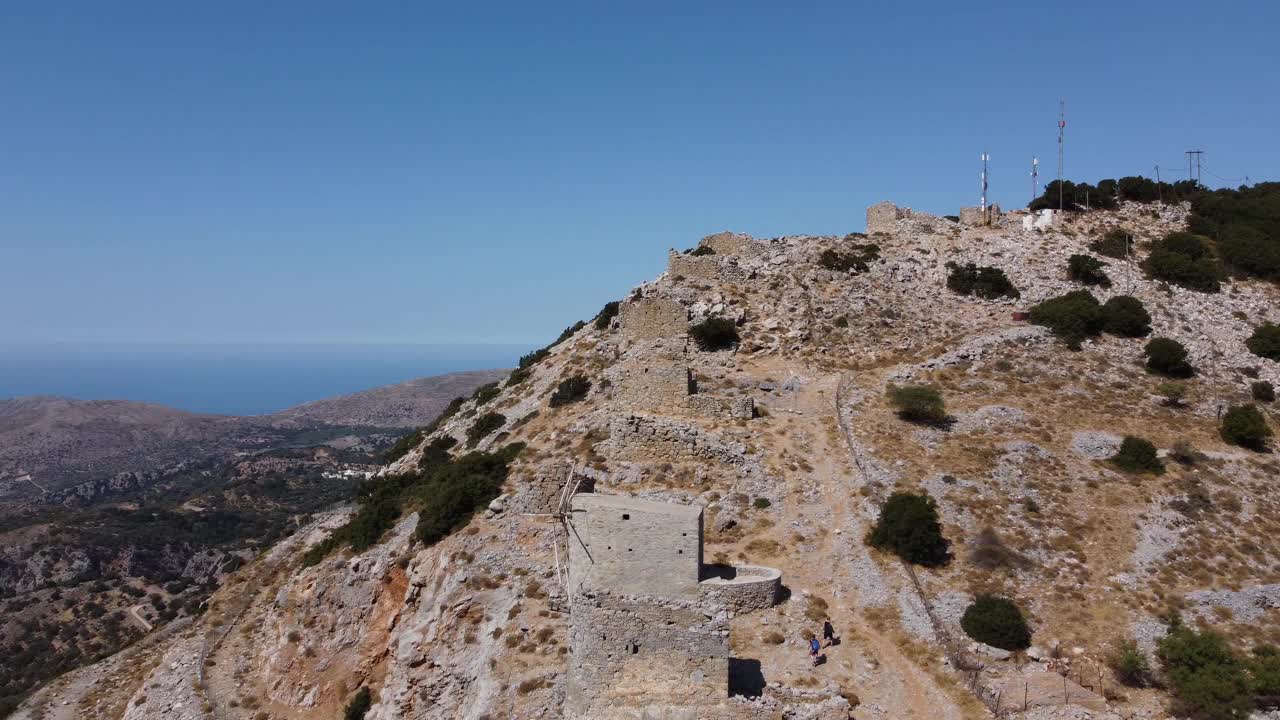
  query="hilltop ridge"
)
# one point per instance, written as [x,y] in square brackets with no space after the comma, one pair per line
[752,379]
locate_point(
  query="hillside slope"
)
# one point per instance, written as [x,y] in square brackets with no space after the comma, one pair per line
[475,625]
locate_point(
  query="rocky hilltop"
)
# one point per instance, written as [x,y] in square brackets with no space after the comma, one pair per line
[753,383]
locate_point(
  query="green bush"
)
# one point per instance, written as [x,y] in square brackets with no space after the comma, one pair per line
[1263,391]
[702,250]
[918,403]
[857,259]
[518,376]
[1246,224]
[358,706]
[1137,455]
[1166,356]
[606,314]
[1115,244]
[1124,315]
[1264,672]
[483,426]
[570,390]
[1077,196]
[485,393]
[1072,317]
[1184,259]
[1249,251]
[909,527]
[1088,270]
[997,622]
[988,283]
[1245,426]
[1208,680]
[715,334]
[760,503]
[415,438]
[1130,664]
[1265,342]
[453,492]
[531,359]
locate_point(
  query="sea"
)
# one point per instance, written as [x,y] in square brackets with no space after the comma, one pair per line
[230,379]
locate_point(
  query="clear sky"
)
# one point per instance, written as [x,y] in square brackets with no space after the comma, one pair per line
[430,172]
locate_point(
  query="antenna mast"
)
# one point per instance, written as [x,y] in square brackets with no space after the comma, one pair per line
[1035,177]
[1196,174]
[984,184]
[1062,125]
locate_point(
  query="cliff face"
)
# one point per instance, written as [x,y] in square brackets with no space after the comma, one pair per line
[790,444]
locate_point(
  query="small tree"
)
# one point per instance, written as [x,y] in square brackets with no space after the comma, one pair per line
[359,705]
[909,528]
[1088,270]
[1263,391]
[1265,342]
[918,403]
[997,622]
[715,334]
[1184,259]
[1173,392]
[1125,315]
[1072,317]
[1264,672]
[1208,680]
[1245,426]
[989,283]
[607,314]
[1167,356]
[483,426]
[1116,244]
[1130,664]
[570,390]
[1137,456]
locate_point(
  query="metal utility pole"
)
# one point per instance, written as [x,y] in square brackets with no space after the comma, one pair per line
[1159,190]
[984,183]
[1062,125]
[1196,175]
[1035,177]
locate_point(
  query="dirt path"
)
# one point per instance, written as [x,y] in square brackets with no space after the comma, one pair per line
[136,612]
[900,688]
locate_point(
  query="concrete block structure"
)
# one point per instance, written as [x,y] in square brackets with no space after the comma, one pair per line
[648,635]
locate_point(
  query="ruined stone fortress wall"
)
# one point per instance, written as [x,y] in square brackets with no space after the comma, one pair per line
[670,389]
[735,244]
[653,319]
[643,657]
[636,547]
[710,268]
[644,438]
[541,492]
[886,218]
[741,588]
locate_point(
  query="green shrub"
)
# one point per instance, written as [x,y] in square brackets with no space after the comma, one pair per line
[1166,356]
[1208,681]
[358,706]
[1130,664]
[857,259]
[415,438]
[485,393]
[1265,342]
[1184,259]
[760,503]
[1077,196]
[1263,391]
[483,426]
[607,314]
[1246,224]
[1264,672]
[451,493]
[702,250]
[531,359]
[1173,392]
[1088,270]
[518,376]
[1115,244]
[988,283]
[1245,426]
[1124,315]
[570,390]
[997,622]
[918,403]
[1072,317]
[1137,455]
[909,527]
[715,334]
[567,333]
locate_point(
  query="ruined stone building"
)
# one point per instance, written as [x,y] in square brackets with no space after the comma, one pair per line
[648,628]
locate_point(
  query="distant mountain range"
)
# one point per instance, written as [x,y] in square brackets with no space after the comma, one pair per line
[49,446]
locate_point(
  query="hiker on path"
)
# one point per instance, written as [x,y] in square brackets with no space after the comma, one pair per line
[814,648]
[828,633]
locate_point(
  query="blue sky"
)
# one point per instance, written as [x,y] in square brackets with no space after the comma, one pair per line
[482,172]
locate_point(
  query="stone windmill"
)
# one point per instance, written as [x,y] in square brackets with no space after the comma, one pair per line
[563,517]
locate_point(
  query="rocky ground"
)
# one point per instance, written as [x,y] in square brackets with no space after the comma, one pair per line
[474,626]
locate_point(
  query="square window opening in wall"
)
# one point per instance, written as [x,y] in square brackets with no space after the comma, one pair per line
[679,552]
[626,516]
